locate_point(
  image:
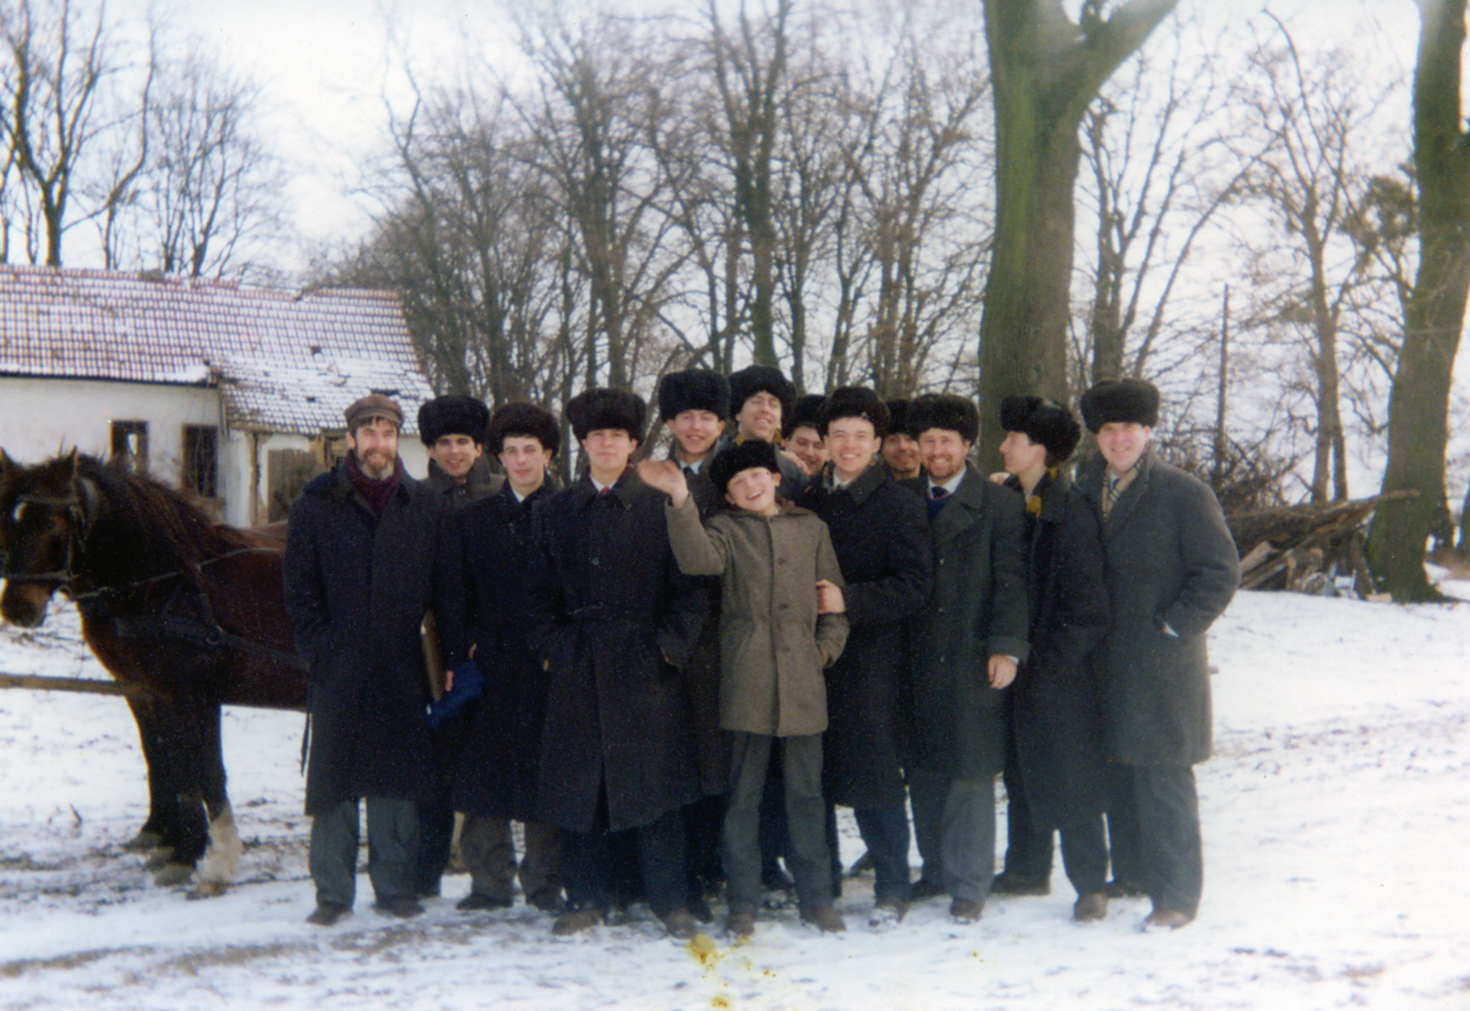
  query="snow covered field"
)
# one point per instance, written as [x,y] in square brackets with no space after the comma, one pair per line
[1336,818]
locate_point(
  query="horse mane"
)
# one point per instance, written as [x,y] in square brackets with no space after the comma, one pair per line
[156,519]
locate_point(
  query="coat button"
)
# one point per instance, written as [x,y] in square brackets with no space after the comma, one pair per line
[597,561]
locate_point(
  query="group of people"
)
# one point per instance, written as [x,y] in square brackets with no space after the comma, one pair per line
[672,671]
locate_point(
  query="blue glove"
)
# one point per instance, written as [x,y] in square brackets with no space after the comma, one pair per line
[469,680]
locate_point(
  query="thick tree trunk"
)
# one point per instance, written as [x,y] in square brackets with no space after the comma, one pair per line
[1045,71]
[1418,409]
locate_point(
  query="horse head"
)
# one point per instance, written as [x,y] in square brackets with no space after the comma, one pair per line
[46,513]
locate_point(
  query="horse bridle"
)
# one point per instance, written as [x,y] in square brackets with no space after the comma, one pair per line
[82,507]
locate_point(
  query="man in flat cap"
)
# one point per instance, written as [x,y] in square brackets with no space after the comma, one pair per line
[1172,568]
[366,559]
[1054,771]
[613,622]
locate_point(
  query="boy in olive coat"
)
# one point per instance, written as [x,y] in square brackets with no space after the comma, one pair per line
[774,648]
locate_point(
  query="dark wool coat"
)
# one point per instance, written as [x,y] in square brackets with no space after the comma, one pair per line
[613,622]
[357,588]
[702,672]
[977,609]
[772,669]
[500,756]
[881,535]
[1170,560]
[479,484]
[1055,713]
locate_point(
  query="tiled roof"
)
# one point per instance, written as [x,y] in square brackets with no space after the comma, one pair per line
[283,361]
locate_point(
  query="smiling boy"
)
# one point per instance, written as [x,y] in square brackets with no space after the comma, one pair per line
[774,647]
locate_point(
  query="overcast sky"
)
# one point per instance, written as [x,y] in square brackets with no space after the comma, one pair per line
[324,69]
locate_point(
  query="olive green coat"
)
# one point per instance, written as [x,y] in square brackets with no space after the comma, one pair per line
[771,637]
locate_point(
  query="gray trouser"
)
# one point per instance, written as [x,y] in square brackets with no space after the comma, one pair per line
[488,851]
[1153,823]
[393,840]
[954,825]
[806,812]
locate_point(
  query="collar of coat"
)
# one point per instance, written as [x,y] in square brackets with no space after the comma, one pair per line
[627,489]
[1053,495]
[480,483]
[1091,480]
[859,488]
[784,508]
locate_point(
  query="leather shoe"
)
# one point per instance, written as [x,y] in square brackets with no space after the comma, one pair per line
[476,901]
[327,914]
[924,888]
[1016,884]
[888,912]
[1125,889]
[965,910]
[740,924]
[1091,907]
[575,921]
[824,918]
[1162,918]
[680,924]
[400,906]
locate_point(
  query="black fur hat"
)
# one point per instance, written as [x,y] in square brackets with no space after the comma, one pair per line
[856,402]
[898,416]
[1122,400]
[944,410]
[692,390]
[452,415]
[603,407]
[523,420]
[757,379]
[806,414]
[1042,421]
[740,456]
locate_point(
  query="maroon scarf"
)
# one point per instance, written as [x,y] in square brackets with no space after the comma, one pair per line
[377,493]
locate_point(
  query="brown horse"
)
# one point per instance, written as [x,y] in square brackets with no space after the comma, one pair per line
[185,612]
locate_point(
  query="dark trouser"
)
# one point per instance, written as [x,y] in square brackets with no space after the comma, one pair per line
[392,842]
[489,855]
[954,824]
[436,833]
[704,821]
[775,834]
[589,863]
[886,832]
[1154,833]
[1029,852]
[801,760]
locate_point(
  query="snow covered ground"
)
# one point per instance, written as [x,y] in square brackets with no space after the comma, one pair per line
[1336,818]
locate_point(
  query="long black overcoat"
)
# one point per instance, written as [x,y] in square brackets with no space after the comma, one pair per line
[613,623]
[1055,713]
[1170,561]
[357,588]
[977,609]
[881,535]
[500,756]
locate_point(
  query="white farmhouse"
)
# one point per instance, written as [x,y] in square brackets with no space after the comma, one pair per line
[233,393]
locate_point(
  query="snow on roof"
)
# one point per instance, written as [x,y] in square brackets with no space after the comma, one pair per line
[282,361]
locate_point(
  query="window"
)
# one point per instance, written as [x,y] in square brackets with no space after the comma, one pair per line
[200,469]
[130,445]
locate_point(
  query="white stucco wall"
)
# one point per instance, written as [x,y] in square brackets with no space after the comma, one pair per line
[39,417]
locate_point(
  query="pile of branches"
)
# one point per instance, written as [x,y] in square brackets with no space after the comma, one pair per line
[1306,548]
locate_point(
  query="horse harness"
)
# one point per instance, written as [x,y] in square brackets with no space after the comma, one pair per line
[186,616]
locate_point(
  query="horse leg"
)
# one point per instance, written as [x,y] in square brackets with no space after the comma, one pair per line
[179,731]
[222,857]
[162,793]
